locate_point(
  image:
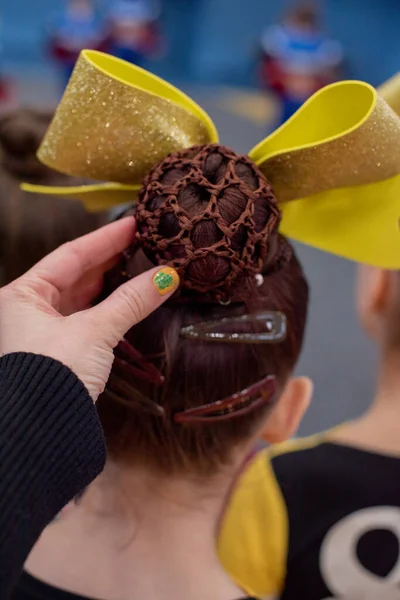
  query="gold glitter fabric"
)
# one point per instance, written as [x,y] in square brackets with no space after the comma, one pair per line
[365,155]
[241,241]
[108,129]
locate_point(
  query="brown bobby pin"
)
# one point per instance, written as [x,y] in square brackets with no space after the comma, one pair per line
[239,404]
[126,354]
[118,389]
[212,331]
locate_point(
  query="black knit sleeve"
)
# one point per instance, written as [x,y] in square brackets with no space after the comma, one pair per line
[51,448]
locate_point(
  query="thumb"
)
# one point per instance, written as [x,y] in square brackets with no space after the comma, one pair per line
[134,301]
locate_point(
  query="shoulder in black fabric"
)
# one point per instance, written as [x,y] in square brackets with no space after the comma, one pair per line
[343,504]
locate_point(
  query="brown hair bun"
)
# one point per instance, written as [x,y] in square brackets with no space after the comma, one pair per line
[21,132]
[211,214]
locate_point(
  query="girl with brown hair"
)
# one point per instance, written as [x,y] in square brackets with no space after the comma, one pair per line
[195,385]
[32,226]
[173,445]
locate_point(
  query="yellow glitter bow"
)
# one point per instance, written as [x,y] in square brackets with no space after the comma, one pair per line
[334,166]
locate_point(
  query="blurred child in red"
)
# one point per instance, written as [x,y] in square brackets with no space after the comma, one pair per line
[135,34]
[78,26]
[298,58]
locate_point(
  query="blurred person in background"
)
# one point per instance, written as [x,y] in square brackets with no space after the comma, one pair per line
[319,518]
[298,58]
[32,226]
[329,505]
[134,30]
[78,25]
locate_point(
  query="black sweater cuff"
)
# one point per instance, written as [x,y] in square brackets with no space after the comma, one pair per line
[51,448]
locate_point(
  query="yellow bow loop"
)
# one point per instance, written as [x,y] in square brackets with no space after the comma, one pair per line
[335,166]
[345,134]
[114,123]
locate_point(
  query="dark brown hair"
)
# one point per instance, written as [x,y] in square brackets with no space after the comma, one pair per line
[32,225]
[197,372]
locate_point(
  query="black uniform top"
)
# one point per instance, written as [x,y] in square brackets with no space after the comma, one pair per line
[316,520]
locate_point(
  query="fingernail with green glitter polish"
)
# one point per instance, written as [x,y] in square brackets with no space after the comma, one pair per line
[166,280]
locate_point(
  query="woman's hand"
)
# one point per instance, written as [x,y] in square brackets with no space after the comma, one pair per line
[45,311]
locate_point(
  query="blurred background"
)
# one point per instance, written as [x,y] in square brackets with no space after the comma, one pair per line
[250,63]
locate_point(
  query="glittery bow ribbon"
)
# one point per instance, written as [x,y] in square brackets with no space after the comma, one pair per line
[334,166]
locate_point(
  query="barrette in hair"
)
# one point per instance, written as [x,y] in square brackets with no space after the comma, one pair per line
[334,165]
[256,396]
[273,325]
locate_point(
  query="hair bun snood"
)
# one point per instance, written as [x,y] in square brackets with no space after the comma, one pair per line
[209,213]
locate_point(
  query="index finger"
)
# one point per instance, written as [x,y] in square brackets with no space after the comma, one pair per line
[64,267]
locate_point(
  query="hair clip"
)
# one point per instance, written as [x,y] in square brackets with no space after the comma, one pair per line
[239,404]
[213,331]
[125,355]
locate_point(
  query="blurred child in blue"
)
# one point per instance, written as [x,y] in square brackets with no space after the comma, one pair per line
[77,26]
[298,58]
[134,29]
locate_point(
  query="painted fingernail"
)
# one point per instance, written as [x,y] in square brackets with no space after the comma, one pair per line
[166,280]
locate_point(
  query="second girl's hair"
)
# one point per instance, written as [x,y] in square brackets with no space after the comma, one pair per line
[31,226]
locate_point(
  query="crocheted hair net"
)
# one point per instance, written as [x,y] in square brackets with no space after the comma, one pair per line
[211,215]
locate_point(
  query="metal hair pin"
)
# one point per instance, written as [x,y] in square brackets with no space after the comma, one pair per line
[213,331]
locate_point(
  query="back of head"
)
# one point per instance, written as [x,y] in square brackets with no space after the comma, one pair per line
[32,226]
[212,215]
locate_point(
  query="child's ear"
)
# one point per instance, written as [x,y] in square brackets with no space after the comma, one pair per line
[373,298]
[285,418]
